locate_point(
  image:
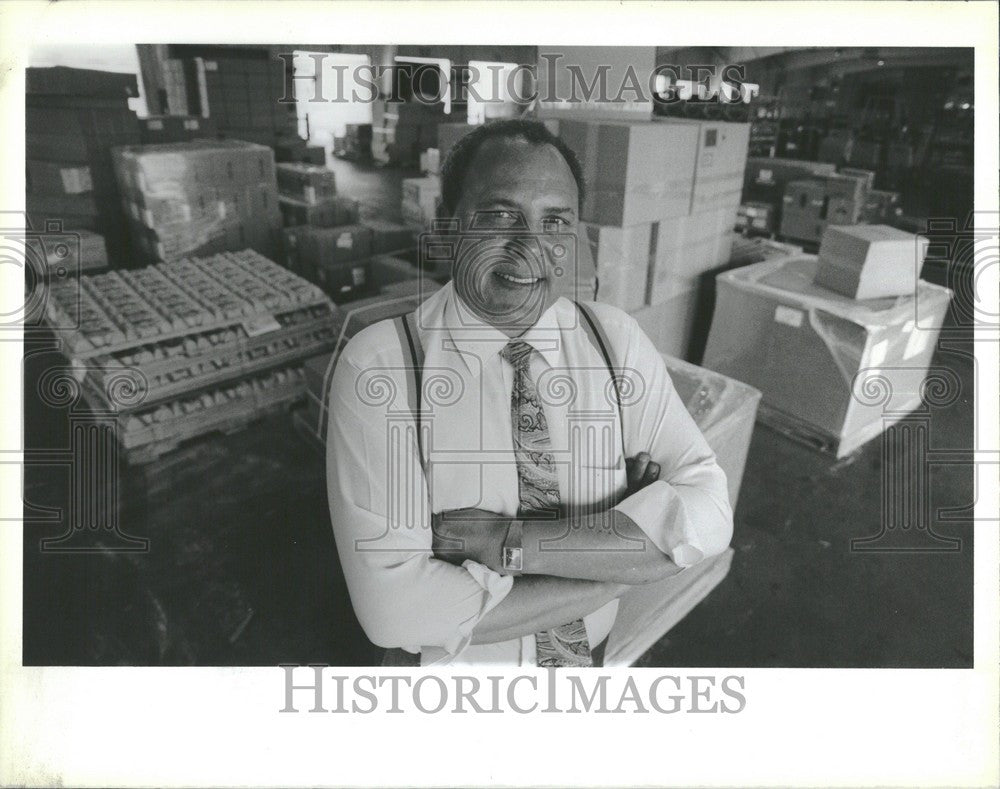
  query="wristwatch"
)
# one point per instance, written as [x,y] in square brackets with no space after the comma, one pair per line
[512,555]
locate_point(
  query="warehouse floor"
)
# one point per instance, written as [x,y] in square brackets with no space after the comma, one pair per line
[241,567]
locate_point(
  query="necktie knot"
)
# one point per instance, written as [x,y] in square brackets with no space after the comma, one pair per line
[517,353]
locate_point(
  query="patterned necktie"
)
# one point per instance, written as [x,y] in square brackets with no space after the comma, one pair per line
[538,485]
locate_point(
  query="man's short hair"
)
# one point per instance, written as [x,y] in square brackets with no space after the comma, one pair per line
[456,165]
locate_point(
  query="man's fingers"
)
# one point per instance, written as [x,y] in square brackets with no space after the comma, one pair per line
[639,465]
[652,473]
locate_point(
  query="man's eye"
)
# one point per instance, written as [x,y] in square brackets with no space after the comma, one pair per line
[498,218]
[554,224]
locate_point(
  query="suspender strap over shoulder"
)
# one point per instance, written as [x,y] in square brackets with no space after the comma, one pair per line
[602,344]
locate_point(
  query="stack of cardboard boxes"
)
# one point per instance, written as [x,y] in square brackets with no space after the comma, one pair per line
[659,210]
[838,344]
[199,198]
[158,129]
[356,143]
[421,200]
[74,117]
[243,96]
[403,129]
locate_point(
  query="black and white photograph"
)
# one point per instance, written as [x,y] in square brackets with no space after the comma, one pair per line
[627,370]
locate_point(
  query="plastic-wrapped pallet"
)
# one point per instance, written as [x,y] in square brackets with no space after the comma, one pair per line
[199,198]
[834,372]
[724,409]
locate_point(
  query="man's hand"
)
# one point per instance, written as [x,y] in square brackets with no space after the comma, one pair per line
[470,534]
[640,471]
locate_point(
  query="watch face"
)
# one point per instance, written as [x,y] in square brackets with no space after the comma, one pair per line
[512,558]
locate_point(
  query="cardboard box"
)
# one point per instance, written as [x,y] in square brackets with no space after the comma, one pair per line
[57,179]
[813,353]
[870,261]
[756,217]
[670,324]
[77,82]
[158,129]
[881,207]
[635,172]
[811,205]
[421,197]
[330,246]
[867,176]
[345,281]
[306,182]
[685,248]
[766,178]
[388,270]
[390,237]
[430,161]
[333,212]
[721,163]
[623,257]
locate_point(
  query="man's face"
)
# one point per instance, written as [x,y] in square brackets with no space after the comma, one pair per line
[526,194]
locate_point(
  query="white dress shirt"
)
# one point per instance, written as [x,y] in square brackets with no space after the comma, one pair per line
[382,496]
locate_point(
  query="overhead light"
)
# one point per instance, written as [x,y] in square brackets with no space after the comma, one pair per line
[965,105]
[881,63]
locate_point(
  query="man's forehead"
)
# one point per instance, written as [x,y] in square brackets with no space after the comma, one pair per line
[517,161]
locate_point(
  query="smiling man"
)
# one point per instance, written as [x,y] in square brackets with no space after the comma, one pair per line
[504,463]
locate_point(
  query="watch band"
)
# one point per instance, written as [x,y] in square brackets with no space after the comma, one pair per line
[512,558]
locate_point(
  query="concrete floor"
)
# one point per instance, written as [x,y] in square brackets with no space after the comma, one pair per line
[242,569]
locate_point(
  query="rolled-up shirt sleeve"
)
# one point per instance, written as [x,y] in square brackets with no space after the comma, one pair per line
[687,513]
[379,507]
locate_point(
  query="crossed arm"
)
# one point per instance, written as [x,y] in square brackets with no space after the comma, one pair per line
[570,568]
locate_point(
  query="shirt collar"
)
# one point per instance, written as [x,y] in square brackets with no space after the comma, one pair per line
[473,336]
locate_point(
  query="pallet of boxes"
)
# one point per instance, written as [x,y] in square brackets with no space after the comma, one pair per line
[401,131]
[181,349]
[199,198]
[73,120]
[840,343]
[324,241]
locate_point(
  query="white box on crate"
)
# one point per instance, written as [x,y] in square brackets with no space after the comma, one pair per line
[870,261]
[834,372]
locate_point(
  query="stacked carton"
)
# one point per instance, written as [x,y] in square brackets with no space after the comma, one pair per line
[403,130]
[73,119]
[834,370]
[199,198]
[182,348]
[812,205]
[659,209]
[158,129]
[421,200]
[243,96]
[356,143]
[766,179]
